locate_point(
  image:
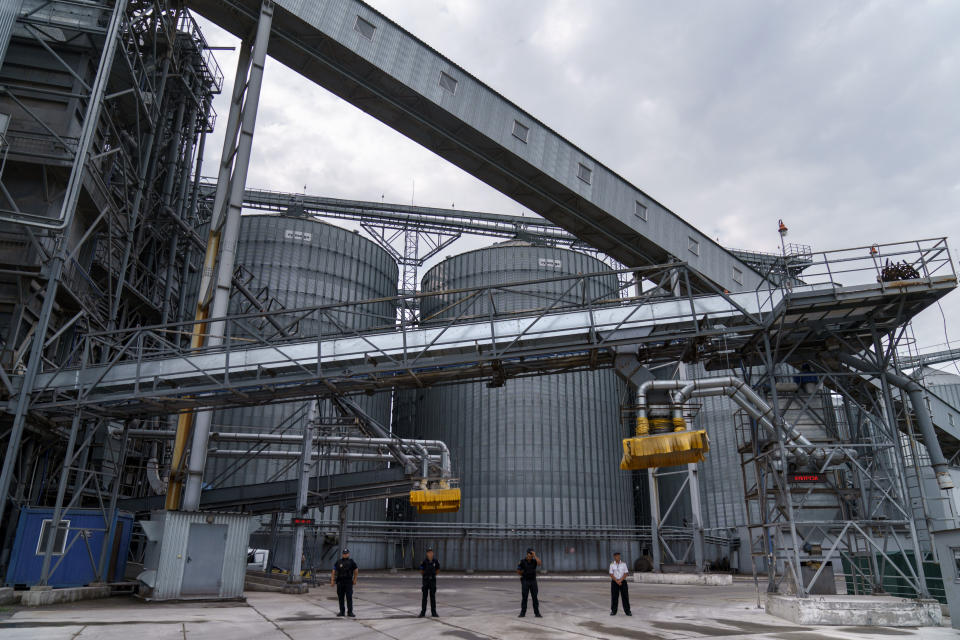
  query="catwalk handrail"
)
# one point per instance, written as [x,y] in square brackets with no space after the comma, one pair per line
[154,362]
[594,314]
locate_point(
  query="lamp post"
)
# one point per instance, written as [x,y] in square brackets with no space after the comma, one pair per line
[782,230]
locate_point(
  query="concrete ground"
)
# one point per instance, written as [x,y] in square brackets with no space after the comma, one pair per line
[470,607]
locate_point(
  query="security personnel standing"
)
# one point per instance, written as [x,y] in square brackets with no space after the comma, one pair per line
[429,569]
[528,582]
[618,585]
[344,575]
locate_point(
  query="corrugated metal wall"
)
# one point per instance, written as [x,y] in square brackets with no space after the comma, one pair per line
[541,452]
[305,263]
[944,384]
[173,552]
[9,10]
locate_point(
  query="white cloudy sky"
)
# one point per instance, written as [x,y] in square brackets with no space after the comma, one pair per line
[842,118]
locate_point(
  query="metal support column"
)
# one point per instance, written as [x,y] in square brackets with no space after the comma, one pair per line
[112,511]
[306,466]
[780,477]
[693,484]
[58,505]
[901,463]
[185,421]
[342,534]
[217,300]
[654,519]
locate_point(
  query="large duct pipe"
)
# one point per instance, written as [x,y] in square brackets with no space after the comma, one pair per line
[748,400]
[915,392]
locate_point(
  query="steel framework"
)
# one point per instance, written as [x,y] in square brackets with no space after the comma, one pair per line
[102,347]
[108,106]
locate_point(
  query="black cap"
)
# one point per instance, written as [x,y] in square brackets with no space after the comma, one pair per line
[429,548]
[530,550]
[345,551]
[616,553]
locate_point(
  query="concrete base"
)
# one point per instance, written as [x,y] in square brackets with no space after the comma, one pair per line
[882,611]
[46,597]
[296,588]
[710,579]
[8,595]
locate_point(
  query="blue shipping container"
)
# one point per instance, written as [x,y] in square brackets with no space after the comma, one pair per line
[80,537]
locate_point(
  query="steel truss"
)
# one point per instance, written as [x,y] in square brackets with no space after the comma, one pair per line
[109,106]
[856,514]
[413,235]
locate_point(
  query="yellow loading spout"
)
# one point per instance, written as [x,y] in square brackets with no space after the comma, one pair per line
[664,450]
[435,500]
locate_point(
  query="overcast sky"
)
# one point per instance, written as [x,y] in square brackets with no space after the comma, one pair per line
[842,118]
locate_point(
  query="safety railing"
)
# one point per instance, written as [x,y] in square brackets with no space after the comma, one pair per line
[891,264]
[476,313]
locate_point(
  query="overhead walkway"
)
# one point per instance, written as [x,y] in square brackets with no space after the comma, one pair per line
[360,55]
[559,333]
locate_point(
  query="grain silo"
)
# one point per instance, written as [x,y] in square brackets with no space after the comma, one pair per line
[538,453]
[298,263]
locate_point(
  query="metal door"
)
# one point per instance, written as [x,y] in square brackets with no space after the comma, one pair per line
[204,564]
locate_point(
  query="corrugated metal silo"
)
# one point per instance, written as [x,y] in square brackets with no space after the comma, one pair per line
[298,263]
[537,452]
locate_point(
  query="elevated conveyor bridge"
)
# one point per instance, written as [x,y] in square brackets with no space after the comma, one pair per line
[371,62]
[157,373]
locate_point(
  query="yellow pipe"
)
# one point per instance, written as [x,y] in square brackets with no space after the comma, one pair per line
[198,337]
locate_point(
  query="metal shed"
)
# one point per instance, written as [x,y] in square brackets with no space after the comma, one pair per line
[77,547]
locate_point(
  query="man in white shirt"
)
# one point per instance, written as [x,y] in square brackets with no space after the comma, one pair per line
[618,585]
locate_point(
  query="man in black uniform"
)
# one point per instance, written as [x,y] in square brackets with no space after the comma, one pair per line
[429,569]
[344,575]
[528,582]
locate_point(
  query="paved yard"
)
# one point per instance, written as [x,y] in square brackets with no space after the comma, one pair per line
[470,608]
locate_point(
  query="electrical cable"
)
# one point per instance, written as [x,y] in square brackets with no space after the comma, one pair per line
[946,334]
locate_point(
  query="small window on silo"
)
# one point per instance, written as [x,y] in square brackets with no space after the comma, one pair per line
[640,210]
[584,172]
[59,541]
[737,276]
[693,245]
[364,28]
[520,131]
[448,82]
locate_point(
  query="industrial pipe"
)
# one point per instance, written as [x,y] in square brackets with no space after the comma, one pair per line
[745,397]
[280,438]
[290,455]
[915,393]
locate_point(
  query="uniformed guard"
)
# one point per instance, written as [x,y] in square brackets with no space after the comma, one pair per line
[429,569]
[618,585]
[344,576]
[528,582]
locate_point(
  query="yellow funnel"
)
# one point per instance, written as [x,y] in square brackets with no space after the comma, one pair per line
[664,450]
[435,500]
